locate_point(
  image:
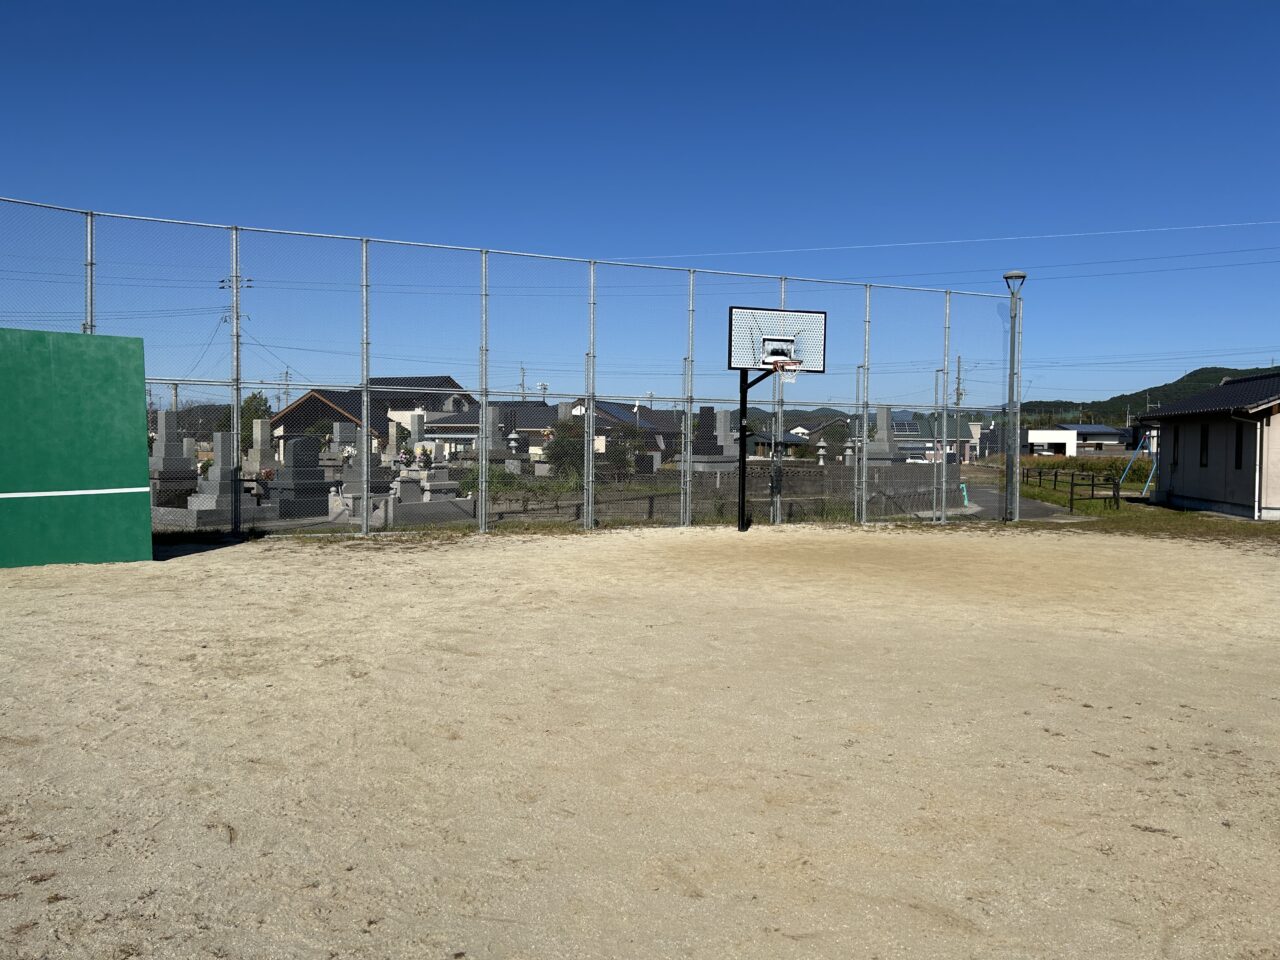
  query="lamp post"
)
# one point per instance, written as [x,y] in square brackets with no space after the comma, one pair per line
[1014,280]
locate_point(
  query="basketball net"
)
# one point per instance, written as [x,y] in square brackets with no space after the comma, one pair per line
[786,369]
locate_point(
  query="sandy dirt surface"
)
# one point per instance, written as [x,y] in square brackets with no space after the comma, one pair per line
[796,743]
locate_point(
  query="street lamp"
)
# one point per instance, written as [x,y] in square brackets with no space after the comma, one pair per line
[1014,280]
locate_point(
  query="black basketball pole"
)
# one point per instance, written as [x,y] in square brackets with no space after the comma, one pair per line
[742,452]
[743,386]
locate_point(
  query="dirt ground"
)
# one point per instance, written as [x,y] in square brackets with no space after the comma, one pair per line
[796,743]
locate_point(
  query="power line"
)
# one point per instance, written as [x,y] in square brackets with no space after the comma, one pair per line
[208,344]
[941,243]
[1052,266]
[1133,273]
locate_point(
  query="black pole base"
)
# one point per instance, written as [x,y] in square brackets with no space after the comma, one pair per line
[744,521]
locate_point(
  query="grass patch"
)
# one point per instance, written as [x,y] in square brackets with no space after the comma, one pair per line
[1137,518]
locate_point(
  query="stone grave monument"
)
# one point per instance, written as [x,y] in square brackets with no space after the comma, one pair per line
[299,489]
[172,470]
[330,458]
[262,453]
[216,488]
[883,449]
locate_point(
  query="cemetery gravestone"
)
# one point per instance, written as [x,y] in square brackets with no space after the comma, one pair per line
[172,471]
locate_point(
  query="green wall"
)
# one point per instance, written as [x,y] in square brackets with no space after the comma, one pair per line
[73,416]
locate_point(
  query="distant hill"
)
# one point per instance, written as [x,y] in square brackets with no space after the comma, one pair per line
[1112,410]
[1043,412]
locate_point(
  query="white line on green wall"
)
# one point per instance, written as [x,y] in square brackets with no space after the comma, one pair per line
[74,493]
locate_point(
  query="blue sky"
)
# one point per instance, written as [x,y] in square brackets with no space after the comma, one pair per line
[666,131]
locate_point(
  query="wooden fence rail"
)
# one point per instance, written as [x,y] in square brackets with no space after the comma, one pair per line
[1099,488]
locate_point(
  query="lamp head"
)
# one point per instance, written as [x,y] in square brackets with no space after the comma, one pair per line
[1014,280]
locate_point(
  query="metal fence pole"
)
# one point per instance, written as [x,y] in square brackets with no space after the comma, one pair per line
[777,448]
[235,379]
[365,438]
[946,374]
[482,433]
[1017,413]
[89,325]
[686,450]
[866,404]
[589,410]
[1013,429]
[933,517]
[855,444]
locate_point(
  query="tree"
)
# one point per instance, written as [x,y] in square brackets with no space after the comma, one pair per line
[564,451]
[399,442]
[836,432]
[253,407]
[622,445]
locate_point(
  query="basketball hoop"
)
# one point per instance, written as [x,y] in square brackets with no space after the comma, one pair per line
[787,369]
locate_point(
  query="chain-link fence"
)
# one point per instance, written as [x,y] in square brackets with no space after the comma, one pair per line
[338,383]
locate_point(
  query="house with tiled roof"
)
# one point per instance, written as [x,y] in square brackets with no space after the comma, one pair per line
[1220,450]
[659,431]
[390,398]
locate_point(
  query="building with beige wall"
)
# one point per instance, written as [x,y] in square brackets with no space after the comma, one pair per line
[1219,450]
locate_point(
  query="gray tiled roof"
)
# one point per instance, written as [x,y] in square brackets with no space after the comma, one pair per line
[1242,393]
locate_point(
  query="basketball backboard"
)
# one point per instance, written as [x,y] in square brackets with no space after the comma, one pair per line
[758,336]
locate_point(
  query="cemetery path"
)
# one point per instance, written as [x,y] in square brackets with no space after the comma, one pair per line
[798,743]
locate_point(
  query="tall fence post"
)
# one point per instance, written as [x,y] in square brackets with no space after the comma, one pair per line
[937,473]
[235,379]
[866,406]
[946,407]
[686,450]
[482,433]
[1017,410]
[778,448]
[89,325]
[589,410]
[1013,428]
[365,437]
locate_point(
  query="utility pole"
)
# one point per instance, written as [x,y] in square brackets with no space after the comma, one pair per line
[522,391]
[285,377]
[959,388]
[543,388]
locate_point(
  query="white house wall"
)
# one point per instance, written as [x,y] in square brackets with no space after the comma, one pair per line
[1044,438]
[1271,468]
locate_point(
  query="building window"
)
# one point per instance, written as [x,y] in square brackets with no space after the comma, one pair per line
[1204,444]
[1239,444]
[1174,460]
